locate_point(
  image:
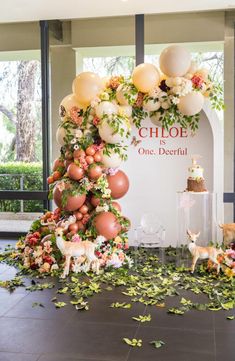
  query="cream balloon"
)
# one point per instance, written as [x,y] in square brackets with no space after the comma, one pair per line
[125,110]
[106,133]
[68,103]
[122,100]
[111,161]
[191,103]
[60,134]
[105,81]
[145,77]
[86,86]
[175,61]
[107,108]
[193,67]
[151,104]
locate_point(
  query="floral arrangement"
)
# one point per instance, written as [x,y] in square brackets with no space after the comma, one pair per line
[96,121]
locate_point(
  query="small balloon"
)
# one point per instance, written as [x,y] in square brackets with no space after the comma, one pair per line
[145,77]
[175,61]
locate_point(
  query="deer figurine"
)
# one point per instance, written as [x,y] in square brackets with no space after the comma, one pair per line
[77,250]
[198,252]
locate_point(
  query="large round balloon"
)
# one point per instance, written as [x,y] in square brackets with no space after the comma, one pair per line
[175,61]
[106,132]
[67,104]
[145,77]
[151,104]
[72,202]
[106,225]
[191,103]
[113,160]
[86,86]
[105,107]
[118,184]
[122,99]
[60,135]
[125,110]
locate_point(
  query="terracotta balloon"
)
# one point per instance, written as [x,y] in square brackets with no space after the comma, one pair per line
[105,108]
[117,206]
[95,201]
[67,103]
[191,103]
[119,184]
[72,203]
[78,215]
[113,160]
[78,153]
[106,225]
[107,134]
[57,164]
[75,172]
[145,77]
[175,61]
[86,86]
[94,172]
[73,227]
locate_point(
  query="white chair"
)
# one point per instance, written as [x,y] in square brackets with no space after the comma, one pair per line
[150,233]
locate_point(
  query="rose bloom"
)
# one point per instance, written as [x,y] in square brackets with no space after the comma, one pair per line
[38,261]
[121,256]
[75,115]
[38,252]
[197,81]
[47,247]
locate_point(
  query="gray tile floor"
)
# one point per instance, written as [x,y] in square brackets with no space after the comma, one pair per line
[48,334]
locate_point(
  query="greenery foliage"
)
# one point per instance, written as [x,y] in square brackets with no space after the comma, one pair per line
[15,175]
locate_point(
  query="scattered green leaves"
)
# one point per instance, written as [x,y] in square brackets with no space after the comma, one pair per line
[157,343]
[134,342]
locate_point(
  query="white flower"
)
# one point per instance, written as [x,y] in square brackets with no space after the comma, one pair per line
[104,96]
[38,261]
[103,208]
[130,261]
[76,147]
[54,267]
[78,133]
[73,141]
[174,100]
[100,240]
[114,261]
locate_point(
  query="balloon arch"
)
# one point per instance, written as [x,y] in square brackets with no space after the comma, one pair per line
[96,121]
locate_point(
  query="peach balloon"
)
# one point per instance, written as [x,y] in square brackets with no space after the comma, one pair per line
[105,107]
[106,225]
[191,103]
[86,86]
[175,61]
[145,77]
[118,184]
[125,110]
[67,103]
[117,206]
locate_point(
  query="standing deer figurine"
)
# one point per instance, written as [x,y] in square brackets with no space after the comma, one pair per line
[79,250]
[198,252]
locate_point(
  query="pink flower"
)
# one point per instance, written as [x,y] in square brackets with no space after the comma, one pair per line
[75,115]
[76,238]
[197,81]
[96,121]
[111,171]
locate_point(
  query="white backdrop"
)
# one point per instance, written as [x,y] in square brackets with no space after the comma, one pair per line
[155,178]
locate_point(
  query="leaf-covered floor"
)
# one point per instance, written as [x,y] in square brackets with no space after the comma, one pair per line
[152,312]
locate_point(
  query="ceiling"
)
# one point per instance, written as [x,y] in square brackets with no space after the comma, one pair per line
[32,10]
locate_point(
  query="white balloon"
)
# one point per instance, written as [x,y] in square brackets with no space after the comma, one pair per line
[191,103]
[111,161]
[151,105]
[126,110]
[106,133]
[175,61]
[61,134]
[105,107]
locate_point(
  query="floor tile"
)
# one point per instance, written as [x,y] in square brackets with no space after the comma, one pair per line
[8,300]
[221,323]
[28,309]
[64,357]
[30,335]
[225,349]
[96,340]
[8,356]
[182,345]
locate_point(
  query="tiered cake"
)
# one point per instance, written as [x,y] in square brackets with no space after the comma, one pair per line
[195,181]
